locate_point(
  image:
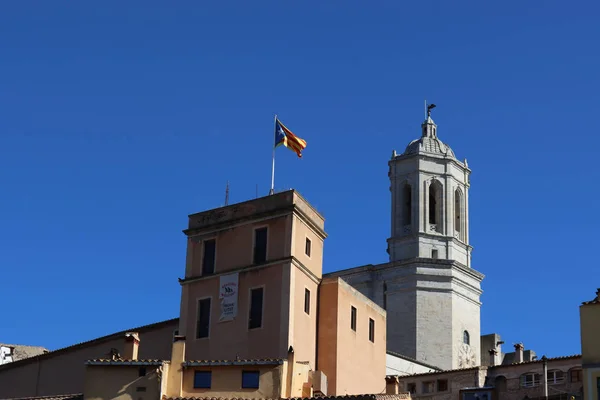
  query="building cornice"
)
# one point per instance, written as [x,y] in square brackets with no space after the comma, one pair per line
[257,217]
[254,267]
[245,268]
[429,157]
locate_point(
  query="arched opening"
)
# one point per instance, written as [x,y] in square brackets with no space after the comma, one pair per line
[466,338]
[407,205]
[435,206]
[458,211]
[500,383]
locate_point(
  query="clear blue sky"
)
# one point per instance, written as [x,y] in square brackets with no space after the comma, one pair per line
[118,120]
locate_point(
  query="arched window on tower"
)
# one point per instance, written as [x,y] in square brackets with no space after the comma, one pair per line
[466,338]
[407,205]
[435,206]
[458,214]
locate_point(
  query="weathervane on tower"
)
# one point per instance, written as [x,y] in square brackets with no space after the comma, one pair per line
[429,108]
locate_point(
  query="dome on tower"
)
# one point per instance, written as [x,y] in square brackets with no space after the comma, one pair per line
[429,143]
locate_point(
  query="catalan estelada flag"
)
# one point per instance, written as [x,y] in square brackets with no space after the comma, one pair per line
[285,137]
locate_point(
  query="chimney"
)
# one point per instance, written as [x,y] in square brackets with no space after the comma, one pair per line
[175,369]
[519,352]
[132,344]
[391,384]
[493,353]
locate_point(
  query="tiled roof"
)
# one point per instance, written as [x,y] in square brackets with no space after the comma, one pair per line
[21,352]
[539,360]
[260,361]
[112,336]
[53,397]
[105,361]
[399,396]
[571,357]
[435,372]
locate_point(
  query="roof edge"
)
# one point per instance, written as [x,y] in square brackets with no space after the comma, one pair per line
[101,339]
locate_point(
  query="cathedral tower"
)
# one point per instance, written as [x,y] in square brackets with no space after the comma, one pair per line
[431,292]
[428,288]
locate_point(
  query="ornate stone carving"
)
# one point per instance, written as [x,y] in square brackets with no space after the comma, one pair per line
[466,357]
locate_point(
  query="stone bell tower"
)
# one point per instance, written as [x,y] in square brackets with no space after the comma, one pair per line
[432,292]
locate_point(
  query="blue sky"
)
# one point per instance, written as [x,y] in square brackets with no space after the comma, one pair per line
[118,120]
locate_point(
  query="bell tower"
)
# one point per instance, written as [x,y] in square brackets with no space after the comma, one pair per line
[430,201]
[432,293]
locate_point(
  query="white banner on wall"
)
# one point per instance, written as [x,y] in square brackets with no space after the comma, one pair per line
[228,294]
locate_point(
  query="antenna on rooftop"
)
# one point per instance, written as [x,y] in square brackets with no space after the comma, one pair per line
[227,194]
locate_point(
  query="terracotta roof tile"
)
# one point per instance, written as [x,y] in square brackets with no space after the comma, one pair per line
[53,397]
[107,361]
[20,352]
[399,396]
[539,360]
[256,361]
[574,356]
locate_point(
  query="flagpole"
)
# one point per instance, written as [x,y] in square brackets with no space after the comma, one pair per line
[273,165]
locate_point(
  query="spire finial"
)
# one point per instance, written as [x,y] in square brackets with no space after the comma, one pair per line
[227,194]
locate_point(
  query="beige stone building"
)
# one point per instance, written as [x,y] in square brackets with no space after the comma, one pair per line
[519,380]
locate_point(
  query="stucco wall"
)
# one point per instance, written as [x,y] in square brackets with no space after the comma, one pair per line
[227,382]
[233,338]
[303,326]
[355,355]
[121,383]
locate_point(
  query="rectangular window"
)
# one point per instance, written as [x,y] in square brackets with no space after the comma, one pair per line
[371,330]
[202,379]
[260,245]
[434,254]
[140,389]
[442,385]
[353,318]
[307,301]
[576,375]
[208,257]
[428,387]
[203,323]
[530,380]
[307,247]
[256,308]
[142,371]
[411,388]
[250,379]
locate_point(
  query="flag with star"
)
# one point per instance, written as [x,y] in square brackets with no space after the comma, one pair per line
[285,137]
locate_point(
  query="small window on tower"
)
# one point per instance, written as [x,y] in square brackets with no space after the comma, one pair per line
[434,254]
[466,338]
[407,212]
[307,301]
[307,247]
[208,257]
[353,318]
